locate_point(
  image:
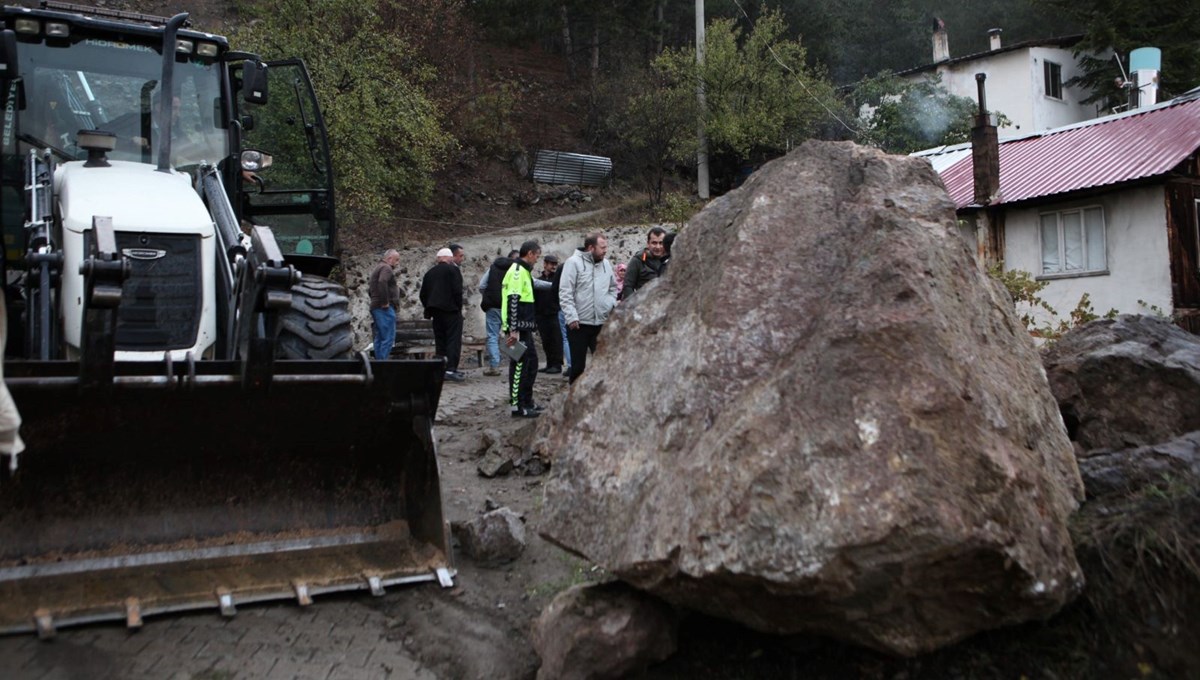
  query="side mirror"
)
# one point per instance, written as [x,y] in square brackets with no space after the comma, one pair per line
[8,56]
[254,160]
[254,81]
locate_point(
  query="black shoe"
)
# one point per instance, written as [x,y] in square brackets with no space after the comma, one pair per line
[552,369]
[455,376]
[525,412]
[536,407]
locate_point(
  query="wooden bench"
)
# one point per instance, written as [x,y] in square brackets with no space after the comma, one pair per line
[414,340]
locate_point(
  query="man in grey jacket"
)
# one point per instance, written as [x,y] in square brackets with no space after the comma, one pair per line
[587,293]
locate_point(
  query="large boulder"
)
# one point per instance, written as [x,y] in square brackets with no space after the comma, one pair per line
[825,418]
[1126,382]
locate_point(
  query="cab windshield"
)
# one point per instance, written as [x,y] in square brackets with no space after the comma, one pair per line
[113,86]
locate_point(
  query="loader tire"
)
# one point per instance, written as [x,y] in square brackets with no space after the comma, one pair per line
[318,324]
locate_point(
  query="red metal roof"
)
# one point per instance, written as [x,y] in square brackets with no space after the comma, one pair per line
[1106,151]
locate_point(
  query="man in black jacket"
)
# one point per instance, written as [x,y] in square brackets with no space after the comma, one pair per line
[442,298]
[648,265]
[546,307]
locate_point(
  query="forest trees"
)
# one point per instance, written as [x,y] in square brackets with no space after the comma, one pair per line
[761,99]
[386,136]
[1124,25]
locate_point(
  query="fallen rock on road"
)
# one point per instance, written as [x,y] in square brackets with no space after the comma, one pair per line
[855,439]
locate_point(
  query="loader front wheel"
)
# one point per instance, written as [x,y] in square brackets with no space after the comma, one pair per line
[318,324]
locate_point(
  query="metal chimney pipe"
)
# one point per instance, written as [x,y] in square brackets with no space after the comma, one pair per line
[985,150]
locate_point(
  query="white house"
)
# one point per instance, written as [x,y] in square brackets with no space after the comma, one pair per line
[1026,81]
[1110,207]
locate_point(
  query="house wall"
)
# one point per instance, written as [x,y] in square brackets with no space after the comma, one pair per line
[1136,252]
[1016,87]
[1049,112]
[1008,87]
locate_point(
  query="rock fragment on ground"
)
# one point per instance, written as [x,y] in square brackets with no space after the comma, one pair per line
[825,418]
[494,538]
[495,463]
[598,632]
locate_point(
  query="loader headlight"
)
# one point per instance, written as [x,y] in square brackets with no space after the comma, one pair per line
[206,49]
[28,26]
[57,29]
[184,46]
[254,160]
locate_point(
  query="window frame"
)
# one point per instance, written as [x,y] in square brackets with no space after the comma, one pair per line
[1055,85]
[1062,272]
[1196,229]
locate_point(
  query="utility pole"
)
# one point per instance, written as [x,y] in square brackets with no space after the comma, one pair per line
[702,151]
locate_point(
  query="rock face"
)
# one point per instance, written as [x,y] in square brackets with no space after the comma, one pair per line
[592,632]
[1126,382]
[825,418]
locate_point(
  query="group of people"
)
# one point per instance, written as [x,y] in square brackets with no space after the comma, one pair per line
[565,305]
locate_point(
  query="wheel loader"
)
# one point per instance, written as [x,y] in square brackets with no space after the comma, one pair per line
[199,431]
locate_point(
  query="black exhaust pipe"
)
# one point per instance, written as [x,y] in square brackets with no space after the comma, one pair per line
[166,99]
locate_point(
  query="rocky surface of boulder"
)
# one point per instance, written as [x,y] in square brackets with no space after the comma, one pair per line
[598,632]
[1126,382]
[1106,472]
[825,418]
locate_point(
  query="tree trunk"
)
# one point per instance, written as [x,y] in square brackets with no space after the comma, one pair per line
[595,52]
[566,36]
[659,13]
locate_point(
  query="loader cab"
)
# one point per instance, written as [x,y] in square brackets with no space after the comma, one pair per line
[85,73]
[295,195]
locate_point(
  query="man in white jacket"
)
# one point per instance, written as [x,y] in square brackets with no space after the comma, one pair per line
[587,293]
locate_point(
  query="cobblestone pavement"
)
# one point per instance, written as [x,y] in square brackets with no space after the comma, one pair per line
[337,637]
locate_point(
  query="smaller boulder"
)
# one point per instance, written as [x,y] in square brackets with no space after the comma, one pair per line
[495,538]
[1126,382]
[593,632]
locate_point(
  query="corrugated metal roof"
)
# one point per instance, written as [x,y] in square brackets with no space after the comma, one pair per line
[1130,146]
[562,167]
[942,157]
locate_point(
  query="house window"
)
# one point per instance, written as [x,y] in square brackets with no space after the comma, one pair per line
[1073,241]
[1053,79]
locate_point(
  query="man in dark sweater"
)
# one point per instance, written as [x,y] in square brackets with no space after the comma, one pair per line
[546,307]
[442,297]
[647,265]
[381,288]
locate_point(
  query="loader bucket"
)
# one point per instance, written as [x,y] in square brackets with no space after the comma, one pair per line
[176,488]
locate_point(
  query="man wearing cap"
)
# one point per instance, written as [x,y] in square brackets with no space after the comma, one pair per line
[442,297]
[545,303]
